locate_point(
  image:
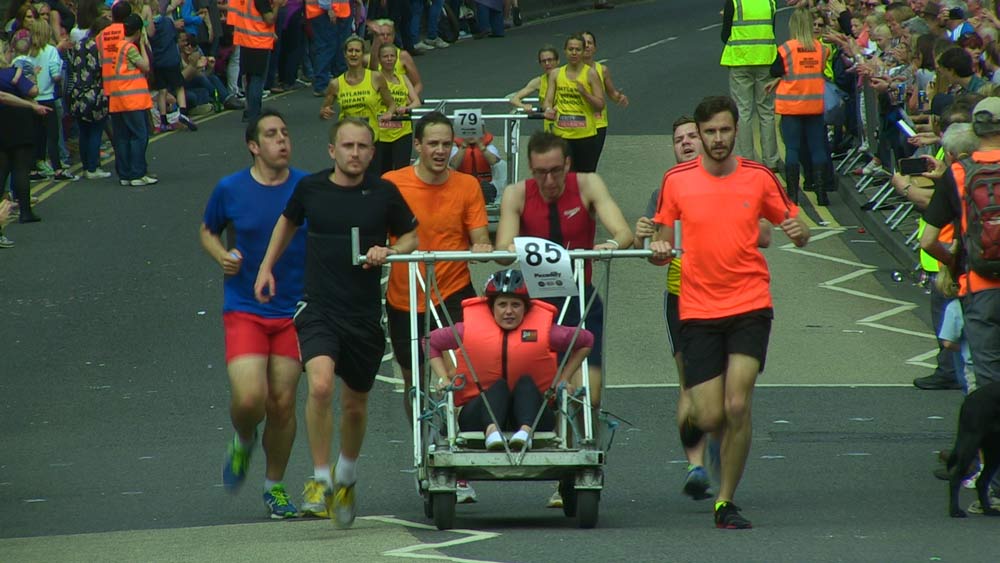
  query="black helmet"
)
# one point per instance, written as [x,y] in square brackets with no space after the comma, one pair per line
[506,282]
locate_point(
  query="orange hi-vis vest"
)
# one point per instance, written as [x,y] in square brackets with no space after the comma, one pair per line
[233,8]
[969,281]
[505,354]
[474,163]
[341,8]
[127,88]
[249,28]
[800,91]
[108,42]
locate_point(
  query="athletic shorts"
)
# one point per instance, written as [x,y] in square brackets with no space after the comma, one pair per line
[356,344]
[249,334]
[167,78]
[707,344]
[595,320]
[672,316]
[399,324]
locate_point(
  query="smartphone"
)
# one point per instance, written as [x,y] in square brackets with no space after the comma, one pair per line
[912,166]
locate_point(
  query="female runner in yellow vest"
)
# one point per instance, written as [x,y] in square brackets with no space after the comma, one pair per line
[576,96]
[548,59]
[357,92]
[614,94]
[395,138]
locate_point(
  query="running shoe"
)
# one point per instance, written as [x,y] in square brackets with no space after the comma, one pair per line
[728,517]
[96,174]
[278,504]
[345,505]
[438,43]
[697,483]
[186,121]
[423,46]
[7,243]
[315,497]
[977,507]
[521,440]
[234,469]
[494,441]
[555,501]
[144,181]
[464,493]
[64,175]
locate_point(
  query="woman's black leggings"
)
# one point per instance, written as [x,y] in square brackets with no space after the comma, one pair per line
[512,408]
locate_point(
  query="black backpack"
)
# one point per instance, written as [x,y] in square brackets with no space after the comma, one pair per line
[981,201]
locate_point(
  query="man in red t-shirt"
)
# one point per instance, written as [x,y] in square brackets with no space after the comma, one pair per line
[725,299]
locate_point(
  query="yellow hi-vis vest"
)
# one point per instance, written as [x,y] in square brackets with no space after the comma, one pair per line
[751,41]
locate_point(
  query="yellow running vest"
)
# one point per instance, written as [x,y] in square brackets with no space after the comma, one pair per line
[360,100]
[601,117]
[389,131]
[574,116]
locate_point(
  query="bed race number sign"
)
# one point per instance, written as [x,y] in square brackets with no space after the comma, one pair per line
[468,123]
[546,267]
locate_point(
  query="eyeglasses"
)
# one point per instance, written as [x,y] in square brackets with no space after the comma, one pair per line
[554,172]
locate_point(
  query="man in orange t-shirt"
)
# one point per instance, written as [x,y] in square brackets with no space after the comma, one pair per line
[725,298]
[451,215]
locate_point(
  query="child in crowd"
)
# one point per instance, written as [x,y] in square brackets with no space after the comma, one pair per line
[21,47]
[49,71]
[167,67]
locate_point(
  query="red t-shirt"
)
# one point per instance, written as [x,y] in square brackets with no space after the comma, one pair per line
[724,272]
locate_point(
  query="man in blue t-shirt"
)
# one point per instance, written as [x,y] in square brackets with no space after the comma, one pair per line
[262,349]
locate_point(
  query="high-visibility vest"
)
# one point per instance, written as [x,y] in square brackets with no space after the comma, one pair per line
[127,88]
[751,41]
[249,28]
[800,91]
[341,8]
[233,8]
[108,43]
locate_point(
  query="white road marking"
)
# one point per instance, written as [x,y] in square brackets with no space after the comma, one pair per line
[708,27]
[411,552]
[653,44]
[392,380]
[775,385]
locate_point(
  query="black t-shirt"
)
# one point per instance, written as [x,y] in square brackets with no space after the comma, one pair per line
[330,211]
[944,207]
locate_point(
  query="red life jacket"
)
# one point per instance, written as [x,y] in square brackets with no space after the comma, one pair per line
[475,162]
[498,354]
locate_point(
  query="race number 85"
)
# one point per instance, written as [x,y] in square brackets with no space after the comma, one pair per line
[533,253]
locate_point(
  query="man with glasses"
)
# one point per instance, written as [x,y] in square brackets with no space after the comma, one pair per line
[561,206]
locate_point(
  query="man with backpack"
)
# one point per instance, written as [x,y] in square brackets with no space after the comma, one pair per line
[968,195]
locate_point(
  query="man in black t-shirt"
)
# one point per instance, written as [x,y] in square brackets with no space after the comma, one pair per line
[338,318]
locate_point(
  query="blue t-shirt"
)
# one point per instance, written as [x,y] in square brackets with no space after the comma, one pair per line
[253,209]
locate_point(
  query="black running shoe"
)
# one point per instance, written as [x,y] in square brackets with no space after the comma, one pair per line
[728,517]
[690,434]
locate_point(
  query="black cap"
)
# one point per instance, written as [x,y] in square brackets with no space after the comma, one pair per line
[120,11]
[956,14]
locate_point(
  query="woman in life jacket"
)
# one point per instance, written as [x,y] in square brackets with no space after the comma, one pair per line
[513,343]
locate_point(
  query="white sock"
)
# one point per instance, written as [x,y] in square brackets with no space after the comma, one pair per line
[346,470]
[268,484]
[322,474]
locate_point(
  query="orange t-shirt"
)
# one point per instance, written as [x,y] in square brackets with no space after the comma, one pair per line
[724,272]
[445,213]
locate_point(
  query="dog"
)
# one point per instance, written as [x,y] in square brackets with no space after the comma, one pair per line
[978,429]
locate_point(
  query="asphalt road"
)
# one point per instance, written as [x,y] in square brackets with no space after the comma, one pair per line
[113,395]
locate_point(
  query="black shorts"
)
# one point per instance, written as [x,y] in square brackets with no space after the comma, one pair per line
[672,315]
[595,320]
[707,344]
[356,344]
[399,324]
[253,62]
[167,78]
